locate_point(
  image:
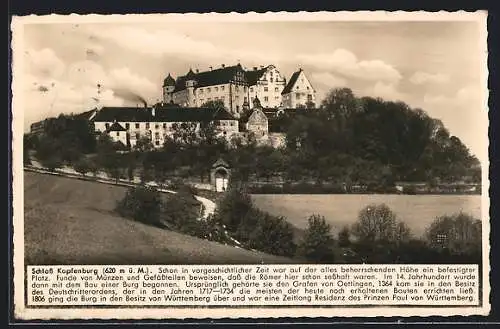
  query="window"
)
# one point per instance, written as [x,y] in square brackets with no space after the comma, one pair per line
[307,87]
[157,135]
[276,89]
[309,97]
[107,125]
[236,88]
[245,99]
[164,126]
[251,90]
[266,99]
[201,90]
[201,100]
[157,142]
[297,87]
[209,99]
[127,125]
[244,88]
[222,88]
[237,108]
[297,96]
[117,134]
[137,126]
[271,79]
[266,89]
[147,125]
[222,98]
[157,126]
[216,88]
[208,90]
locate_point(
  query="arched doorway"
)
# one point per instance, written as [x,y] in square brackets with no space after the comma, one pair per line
[221,179]
[220,176]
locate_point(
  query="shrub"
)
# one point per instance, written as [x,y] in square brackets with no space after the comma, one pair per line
[181,212]
[459,234]
[82,166]
[344,237]
[141,203]
[233,208]
[273,235]
[317,245]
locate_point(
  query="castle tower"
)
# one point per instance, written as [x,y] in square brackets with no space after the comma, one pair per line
[168,89]
[190,86]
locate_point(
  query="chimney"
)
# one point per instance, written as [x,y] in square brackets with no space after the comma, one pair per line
[262,66]
[223,65]
[210,68]
[197,71]
[255,68]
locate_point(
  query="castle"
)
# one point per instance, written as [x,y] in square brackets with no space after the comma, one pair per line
[253,102]
[237,87]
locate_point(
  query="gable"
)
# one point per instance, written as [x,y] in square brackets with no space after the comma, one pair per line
[257,117]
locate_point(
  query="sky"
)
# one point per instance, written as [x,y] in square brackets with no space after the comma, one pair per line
[432,65]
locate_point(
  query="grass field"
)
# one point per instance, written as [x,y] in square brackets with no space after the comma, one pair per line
[69,221]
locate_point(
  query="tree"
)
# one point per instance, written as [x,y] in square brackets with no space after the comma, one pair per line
[378,223]
[141,203]
[459,233]
[272,235]
[233,208]
[82,166]
[144,144]
[317,245]
[214,104]
[344,237]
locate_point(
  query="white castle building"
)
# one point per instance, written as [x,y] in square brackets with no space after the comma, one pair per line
[254,100]
[237,87]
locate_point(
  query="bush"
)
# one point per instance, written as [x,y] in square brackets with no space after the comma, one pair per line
[273,235]
[317,245]
[181,213]
[344,238]
[460,234]
[82,166]
[233,208]
[142,204]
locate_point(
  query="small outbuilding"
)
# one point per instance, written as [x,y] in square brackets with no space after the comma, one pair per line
[220,175]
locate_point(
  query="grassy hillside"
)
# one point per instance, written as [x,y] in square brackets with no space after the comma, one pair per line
[68,221]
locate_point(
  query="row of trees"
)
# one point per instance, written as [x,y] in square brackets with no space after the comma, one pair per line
[349,140]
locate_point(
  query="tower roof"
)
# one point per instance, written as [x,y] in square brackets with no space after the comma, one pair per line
[169,81]
[190,75]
